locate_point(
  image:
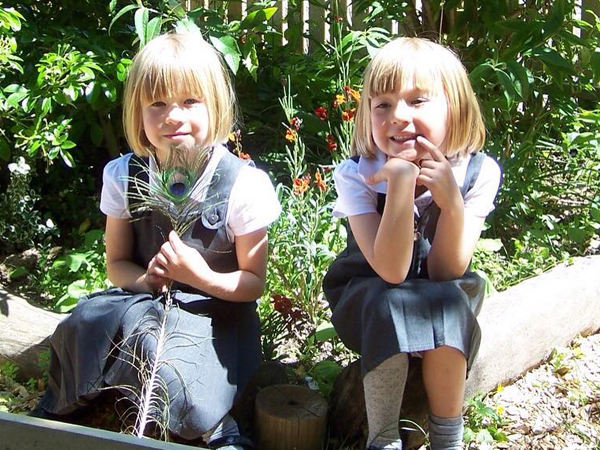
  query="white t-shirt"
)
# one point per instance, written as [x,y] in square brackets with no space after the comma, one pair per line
[356,197]
[252,205]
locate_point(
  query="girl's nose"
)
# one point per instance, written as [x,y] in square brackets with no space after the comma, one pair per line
[402,112]
[175,114]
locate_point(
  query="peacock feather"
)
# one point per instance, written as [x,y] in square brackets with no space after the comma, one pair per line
[175,188]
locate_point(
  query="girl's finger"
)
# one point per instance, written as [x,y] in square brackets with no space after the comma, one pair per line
[167,251]
[435,152]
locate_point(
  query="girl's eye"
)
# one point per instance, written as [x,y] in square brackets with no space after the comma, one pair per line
[419,101]
[382,105]
[158,104]
[191,101]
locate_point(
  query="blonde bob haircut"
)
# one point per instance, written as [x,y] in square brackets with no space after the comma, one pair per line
[432,68]
[172,65]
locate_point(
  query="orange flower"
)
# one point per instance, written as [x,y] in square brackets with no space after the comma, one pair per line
[348,115]
[296,122]
[319,181]
[339,100]
[331,144]
[301,184]
[351,93]
[243,155]
[291,135]
[321,112]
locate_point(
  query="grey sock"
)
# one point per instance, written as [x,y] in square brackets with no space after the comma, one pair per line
[446,433]
[384,388]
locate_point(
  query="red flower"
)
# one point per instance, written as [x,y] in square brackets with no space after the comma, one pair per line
[301,184]
[320,182]
[331,144]
[282,304]
[243,155]
[321,112]
[348,115]
[296,122]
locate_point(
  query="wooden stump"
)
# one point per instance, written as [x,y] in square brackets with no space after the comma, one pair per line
[348,416]
[24,332]
[290,417]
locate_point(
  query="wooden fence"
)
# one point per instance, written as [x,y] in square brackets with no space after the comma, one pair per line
[310,16]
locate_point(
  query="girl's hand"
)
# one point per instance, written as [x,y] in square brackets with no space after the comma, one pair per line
[181,262]
[156,282]
[394,168]
[436,175]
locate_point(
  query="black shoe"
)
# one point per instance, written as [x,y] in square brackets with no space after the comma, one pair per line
[225,441]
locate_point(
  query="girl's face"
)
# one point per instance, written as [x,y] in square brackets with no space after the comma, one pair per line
[182,120]
[397,118]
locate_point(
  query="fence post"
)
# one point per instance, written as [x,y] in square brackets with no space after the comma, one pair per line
[317,28]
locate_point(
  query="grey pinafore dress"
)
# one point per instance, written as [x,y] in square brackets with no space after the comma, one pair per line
[212,346]
[379,320]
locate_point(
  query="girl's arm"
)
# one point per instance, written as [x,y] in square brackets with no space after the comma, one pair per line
[182,263]
[386,241]
[456,233]
[122,271]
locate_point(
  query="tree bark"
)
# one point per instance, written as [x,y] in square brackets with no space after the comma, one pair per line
[24,333]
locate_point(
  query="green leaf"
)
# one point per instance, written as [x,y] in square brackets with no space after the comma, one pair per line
[141,24]
[507,86]
[489,245]
[112,5]
[46,105]
[67,158]
[14,99]
[18,272]
[325,331]
[552,58]
[227,46]
[125,10]
[480,71]
[257,18]
[154,27]
[74,261]
[186,25]
[522,76]
[66,303]
[250,60]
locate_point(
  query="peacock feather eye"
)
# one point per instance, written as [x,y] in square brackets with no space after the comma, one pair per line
[178,188]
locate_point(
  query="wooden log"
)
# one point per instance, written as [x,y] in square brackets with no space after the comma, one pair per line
[24,333]
[290,417]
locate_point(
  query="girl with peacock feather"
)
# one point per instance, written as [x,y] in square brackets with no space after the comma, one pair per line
[186,246]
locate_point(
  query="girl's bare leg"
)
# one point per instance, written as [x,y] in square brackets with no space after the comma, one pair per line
[444,375]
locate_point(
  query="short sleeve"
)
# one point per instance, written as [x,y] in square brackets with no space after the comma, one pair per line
[479,201]
[354,195]
[113,201]
[253,203]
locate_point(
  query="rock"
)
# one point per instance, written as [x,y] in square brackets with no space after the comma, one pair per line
[27,259]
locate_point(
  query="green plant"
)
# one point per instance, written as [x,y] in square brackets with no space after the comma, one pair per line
[77,273]
[482,423]
[20,222]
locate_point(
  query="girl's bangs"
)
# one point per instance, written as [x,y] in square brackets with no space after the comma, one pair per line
[169,78]
[394,74]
